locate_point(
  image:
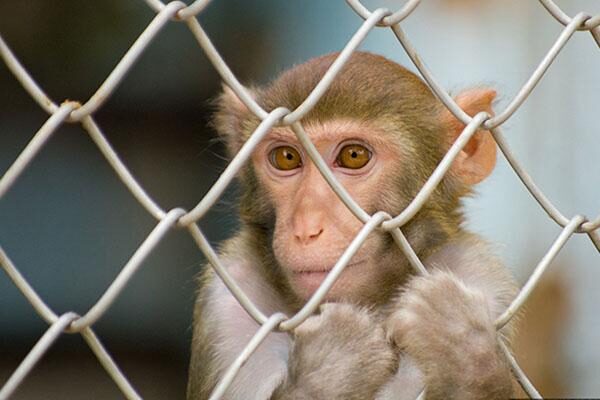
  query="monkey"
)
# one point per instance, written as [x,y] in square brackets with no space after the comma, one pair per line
[384,332]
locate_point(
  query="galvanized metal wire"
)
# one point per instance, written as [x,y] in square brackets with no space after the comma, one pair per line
[176,11]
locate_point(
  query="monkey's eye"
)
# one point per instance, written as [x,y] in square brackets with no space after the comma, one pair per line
[285,158]
[353,156]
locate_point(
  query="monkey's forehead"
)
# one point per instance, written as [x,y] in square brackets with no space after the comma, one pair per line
[367,86]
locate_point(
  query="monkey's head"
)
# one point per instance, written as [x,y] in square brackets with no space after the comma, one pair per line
[382,132]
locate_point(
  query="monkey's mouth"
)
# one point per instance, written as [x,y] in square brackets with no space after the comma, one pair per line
[311,279]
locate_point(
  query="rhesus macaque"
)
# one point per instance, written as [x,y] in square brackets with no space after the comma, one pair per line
[384,332]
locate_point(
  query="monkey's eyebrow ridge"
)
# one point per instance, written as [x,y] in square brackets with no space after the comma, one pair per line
[335,131]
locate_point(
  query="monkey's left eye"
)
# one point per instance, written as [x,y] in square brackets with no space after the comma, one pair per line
[353,156]
[285,158]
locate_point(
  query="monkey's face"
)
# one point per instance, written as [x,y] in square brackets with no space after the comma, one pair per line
[312,225]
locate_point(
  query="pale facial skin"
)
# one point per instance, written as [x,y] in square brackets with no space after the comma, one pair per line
[313,226]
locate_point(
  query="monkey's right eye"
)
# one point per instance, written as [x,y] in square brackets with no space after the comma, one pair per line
[285,158]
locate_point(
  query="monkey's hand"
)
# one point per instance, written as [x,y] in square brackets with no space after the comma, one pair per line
[342,353]
[448,329]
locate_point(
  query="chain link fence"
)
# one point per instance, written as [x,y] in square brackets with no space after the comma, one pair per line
[177,218]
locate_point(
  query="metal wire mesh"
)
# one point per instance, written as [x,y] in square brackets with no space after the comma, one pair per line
[175,12]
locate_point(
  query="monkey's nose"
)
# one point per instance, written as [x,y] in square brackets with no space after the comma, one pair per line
[307,236]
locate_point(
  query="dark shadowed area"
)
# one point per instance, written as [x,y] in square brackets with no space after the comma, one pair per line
[69,224]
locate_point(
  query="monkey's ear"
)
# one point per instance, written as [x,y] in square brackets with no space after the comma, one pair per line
[477,159]
[229,119]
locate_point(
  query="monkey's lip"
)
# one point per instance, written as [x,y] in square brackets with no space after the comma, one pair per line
[312,278]
[324,270]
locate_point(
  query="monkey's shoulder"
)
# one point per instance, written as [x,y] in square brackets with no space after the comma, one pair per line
[235,256]
[468,251]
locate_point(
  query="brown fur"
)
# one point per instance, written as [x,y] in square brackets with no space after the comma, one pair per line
[390,97]
[439,329]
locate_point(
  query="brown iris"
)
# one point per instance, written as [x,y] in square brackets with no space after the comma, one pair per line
[353,156]
[285,158]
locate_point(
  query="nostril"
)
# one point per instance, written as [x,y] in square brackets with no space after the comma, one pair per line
[308,236]
[316,235]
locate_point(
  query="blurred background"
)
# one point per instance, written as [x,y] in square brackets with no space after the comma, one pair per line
[69,224]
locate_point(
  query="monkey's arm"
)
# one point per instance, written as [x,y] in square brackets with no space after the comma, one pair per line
[222,328]
[340,354]
[445,323]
